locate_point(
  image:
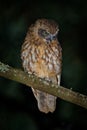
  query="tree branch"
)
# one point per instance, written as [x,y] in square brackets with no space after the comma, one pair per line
[31,80]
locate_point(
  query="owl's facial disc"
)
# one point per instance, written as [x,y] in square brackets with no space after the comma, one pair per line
[46,35]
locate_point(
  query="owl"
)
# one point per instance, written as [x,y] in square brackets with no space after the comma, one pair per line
[41,55]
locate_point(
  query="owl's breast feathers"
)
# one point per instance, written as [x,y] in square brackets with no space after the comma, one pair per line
[44,60]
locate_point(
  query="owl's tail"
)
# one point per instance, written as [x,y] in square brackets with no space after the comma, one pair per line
[46,102]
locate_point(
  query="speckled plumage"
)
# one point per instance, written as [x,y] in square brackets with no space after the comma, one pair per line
[41,55]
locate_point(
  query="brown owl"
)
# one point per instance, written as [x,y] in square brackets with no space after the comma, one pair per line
[42,55]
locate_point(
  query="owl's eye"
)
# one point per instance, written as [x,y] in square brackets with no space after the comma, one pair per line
[43,33]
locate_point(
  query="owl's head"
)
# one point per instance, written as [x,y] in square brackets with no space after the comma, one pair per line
[46,29]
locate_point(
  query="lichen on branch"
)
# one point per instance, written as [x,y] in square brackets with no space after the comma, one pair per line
[4,68]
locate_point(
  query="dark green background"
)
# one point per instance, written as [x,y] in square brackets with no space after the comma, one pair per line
[18,108]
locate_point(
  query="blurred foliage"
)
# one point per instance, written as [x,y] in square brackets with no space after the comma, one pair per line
[18,108]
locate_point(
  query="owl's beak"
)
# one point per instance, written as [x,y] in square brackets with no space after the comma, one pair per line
[53,37]
[50,38]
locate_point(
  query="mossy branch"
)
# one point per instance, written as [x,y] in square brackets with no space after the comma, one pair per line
[30,80]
